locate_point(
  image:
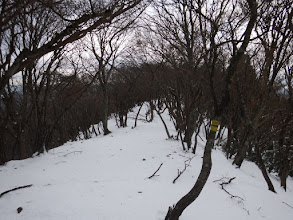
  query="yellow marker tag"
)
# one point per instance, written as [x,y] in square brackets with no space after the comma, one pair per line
[214,128]
[215,122]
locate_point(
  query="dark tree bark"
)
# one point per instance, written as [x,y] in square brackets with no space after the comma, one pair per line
[164,123]
[242,149]
[283,151]
[174,213]
[263,169]
[105,111]
[137,114]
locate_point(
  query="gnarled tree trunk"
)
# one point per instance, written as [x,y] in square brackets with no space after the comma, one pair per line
[176,211]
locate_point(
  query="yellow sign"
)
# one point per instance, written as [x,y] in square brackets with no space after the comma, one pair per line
[215,122]
[214,126]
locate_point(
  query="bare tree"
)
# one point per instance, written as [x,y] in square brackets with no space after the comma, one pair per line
[105,47]
[30,30]
[72,22]
[176,41]
[175,211]
[274,40]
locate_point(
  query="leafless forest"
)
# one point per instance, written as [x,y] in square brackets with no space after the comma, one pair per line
[67,65]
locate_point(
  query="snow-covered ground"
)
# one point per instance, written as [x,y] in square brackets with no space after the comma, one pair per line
[106,178]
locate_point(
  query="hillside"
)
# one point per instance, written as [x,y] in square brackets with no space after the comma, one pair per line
[106,178]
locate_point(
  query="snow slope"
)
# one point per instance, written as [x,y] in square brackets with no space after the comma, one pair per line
[105,178]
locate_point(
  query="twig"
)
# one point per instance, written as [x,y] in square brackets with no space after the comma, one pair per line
[72,152]
[200,137]
[179,173]
[225,183]
[14,189]
[183,156]
[232,196]
[288,205]
[154,174]
[248,213]
[219,179]
[60,162]
[229,181]
[185,166]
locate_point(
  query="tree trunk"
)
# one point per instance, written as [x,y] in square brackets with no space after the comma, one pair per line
[188,136]
[283,176]
[262,167]
[165,126]
[174,213]
[196,131]
[105,112]
[190,125]
[152,107]
[121,120]
[136,118]
[284,166]
[3,158]
[195,138]
[242,149]
[228,143]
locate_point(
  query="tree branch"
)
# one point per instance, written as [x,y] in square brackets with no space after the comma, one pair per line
[154,174]
[14,189]
[185,166]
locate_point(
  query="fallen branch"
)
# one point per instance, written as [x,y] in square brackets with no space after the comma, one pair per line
[154,174]
[183,156]
[288,205]
[219,179]
[60,162]
[248,213]
[78,151]
[222,179]
[14,189]
[226,183]
[229,181]
[232,196]
[185,166]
